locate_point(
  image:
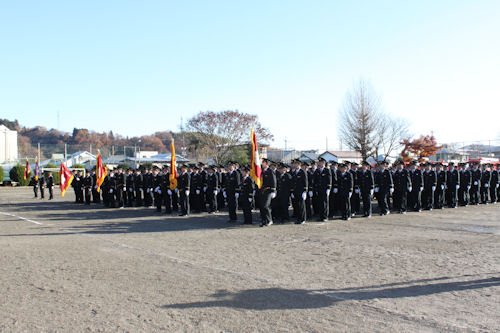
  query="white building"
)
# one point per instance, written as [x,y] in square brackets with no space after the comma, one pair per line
[8,145]
[145,154]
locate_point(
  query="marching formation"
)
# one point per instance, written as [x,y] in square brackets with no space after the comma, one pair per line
[316,191]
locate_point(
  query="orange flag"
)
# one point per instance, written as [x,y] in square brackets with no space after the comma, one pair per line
[101,171]
[27,170]
[66,179]
[173,168]
[255,170]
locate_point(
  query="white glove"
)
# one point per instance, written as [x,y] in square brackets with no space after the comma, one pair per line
[409,189]
[169,192]
[273,195]
[204,188]
[356,191]
[486,185]
[225,194]
[253,192]
[159,191]
[371,192]
[350,193]
[140,189]
[310,194]
[110,190]
[249,199]
[327,192]
[457,186]
[124,189]
[475,183]
[131,189]
[446,186]
[197,191]
[304,195]
[236,195]
[96,186]
[376,189]
[187,192]
[157,188]
[147,190]
[496,186]
[391,190]
[421,188]
[176,190]
[292,195]
[433,188]
[442,187]
[468,187]
[215,192]
[335,190]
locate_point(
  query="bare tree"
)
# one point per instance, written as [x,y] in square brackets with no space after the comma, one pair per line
[216,133]
[390,133]
[360,119]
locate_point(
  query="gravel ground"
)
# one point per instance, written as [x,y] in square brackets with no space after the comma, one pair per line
[71,268]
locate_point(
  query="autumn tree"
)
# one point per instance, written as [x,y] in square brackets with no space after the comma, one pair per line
[216,133]
[424,146]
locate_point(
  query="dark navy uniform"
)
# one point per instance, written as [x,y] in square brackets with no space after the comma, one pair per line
[300,194]
[415,196]
[138,188]
[345,188]
[266,193]
[383,188]
[485,184]
[323,185]
[233,182]
[366,184]
[284,183]
[494,186]
[41,184]
[452,183]
[184,184]
[247,189]
[439,193]
[402,184]
[463,190]
[129,183]
[88,185]
[50,186]
[212,186]
[430,183]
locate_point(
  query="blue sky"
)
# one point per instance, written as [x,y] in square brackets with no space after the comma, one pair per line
[142,65]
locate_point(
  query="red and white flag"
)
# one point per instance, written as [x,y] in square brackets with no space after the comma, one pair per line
[66,179]
[255,169]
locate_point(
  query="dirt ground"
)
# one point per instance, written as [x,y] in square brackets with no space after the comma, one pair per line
[71,268]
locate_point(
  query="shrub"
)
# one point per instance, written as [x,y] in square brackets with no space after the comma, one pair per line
[1,174]
[16,174]
[55,174]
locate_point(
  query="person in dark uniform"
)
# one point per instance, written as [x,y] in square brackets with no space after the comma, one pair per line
[417,186]
[323,185]
[87,187]
[310,190]
[203,194]
[485,184]
[96,196]
[402,185]
[465,184]
[167,192]
[247,190]
[157,189]
[211,189]
[41,185]
[184,184]
[283,190]
[430,183]
[148,188]
[383,187]
[120,188]
[129,184]
[439,193]
[333,200]
[232,191]
[50,185]
[34,183]
[345,186]
[267,193]
[79,187]
[221,200]
[197,190]
[475,184]
[452,184]
[366,184]
[138,187]
[299,191]
[111,188]
[352,168]
[493,184]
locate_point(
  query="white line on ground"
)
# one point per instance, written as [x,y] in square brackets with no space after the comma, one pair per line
[22,218]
